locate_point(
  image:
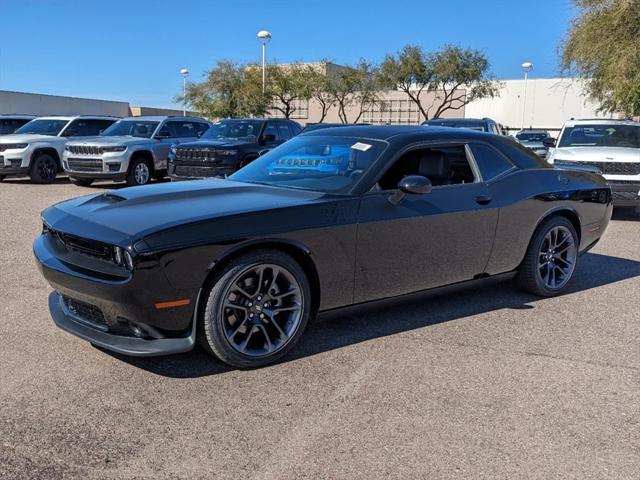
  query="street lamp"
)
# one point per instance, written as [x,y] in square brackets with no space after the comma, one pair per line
[526,68]
[185,73]
[264,37]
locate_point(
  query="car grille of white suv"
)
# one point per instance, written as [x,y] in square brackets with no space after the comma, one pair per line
[85,149]
[611,168]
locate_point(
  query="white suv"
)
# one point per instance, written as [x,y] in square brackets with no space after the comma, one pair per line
[35,149]
[611,146]
[133,149]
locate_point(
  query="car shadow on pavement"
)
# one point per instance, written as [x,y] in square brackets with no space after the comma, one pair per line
[594,271]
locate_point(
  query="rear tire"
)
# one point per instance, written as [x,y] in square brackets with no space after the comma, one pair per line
[140,172]
[2,177]
[81,182]
[257,308]
[551,258]
[44,168]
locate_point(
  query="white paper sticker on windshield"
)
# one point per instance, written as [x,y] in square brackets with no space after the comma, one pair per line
[363,147]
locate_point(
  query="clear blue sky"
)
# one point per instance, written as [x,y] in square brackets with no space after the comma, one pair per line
[133,50]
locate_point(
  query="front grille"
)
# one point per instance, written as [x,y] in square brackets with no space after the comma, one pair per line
[190,171]
[610,168]
[84,311]
[85,149]
[85,165]
[198,154]
[84,246]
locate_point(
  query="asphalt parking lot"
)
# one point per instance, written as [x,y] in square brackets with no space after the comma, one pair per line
[491,383]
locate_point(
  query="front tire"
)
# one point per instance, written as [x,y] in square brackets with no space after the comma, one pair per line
[81,182]
[551,258]
[2,177]
[44,168]
[139,172]
[257,309]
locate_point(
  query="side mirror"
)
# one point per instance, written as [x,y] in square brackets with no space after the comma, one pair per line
[549,142]
[413,184]
[268,137]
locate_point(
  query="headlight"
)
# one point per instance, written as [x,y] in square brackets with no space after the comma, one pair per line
[118,148]
[226,153]
[173,149]
[13,146]
[123,258]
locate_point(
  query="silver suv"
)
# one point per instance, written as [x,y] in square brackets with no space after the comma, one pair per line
[35,149]
[133,149]
[611,146]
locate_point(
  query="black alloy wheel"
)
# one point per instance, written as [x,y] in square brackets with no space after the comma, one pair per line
[551,258]
[44,168]
[256,309]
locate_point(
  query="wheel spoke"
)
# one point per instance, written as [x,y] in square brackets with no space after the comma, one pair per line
[286,309]
[280,296]
[235,332]
[245,342]
[242,291]
[228,304]
[274,276]
[272,321]
[266,337]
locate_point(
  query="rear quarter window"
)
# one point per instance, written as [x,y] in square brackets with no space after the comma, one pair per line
[520,155]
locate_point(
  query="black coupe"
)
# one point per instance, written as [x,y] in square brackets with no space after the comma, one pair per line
[331,219]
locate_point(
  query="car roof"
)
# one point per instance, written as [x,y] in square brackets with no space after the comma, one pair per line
[161,118]
[407,132]
[526,130]
[599,121]
[74,117]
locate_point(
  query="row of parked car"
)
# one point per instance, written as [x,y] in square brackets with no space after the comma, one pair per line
[134,149]
[137,149]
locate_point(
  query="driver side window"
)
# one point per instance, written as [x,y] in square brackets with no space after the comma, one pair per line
[442,165]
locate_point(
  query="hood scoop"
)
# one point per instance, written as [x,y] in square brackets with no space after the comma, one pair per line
[112,198]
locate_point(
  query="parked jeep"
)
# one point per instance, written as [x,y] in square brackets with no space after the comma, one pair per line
[133,149]
[36,148]
[227,146]
[611,146]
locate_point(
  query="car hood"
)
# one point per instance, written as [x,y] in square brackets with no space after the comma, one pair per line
[28,138]
[596,154]
[122,217]
[111,141]
[228,142]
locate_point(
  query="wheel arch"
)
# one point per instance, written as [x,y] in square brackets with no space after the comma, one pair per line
[146,154]
[569,213]
[299,252]
[51,151]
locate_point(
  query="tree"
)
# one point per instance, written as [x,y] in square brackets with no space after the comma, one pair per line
[454,69]
[358,86]
[603,46]
[286,85]
[455,76]
[408,71]
[230,90]
[321,90]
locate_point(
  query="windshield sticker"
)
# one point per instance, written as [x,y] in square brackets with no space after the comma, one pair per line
[363,147]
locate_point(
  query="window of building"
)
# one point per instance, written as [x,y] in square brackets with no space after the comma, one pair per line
[300,107]
[394,112]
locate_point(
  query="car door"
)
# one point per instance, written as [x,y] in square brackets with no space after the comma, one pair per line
[165,137]
[426,240]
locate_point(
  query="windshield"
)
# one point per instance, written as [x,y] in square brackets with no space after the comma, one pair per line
[531,136]
[43,127]
[320,163]
[131,128]
[236,129]
[601,136]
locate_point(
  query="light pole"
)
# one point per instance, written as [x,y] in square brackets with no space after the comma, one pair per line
[185,73]
[264,37]
[526,67]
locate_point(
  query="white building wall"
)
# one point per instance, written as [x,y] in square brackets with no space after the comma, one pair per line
[38,104]
[549,103]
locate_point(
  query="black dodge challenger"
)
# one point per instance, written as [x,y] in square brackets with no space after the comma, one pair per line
[335,218]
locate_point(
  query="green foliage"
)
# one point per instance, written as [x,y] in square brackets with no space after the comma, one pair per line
[454,75]
[603,45]
[288,83]
[354,85]
[230,90]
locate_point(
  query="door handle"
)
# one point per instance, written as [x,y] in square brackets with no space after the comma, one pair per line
[483,199]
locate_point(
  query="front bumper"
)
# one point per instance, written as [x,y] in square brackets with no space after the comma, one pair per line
[107,166]
[625,193]
[118,304]
[125,345]
[12,164]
